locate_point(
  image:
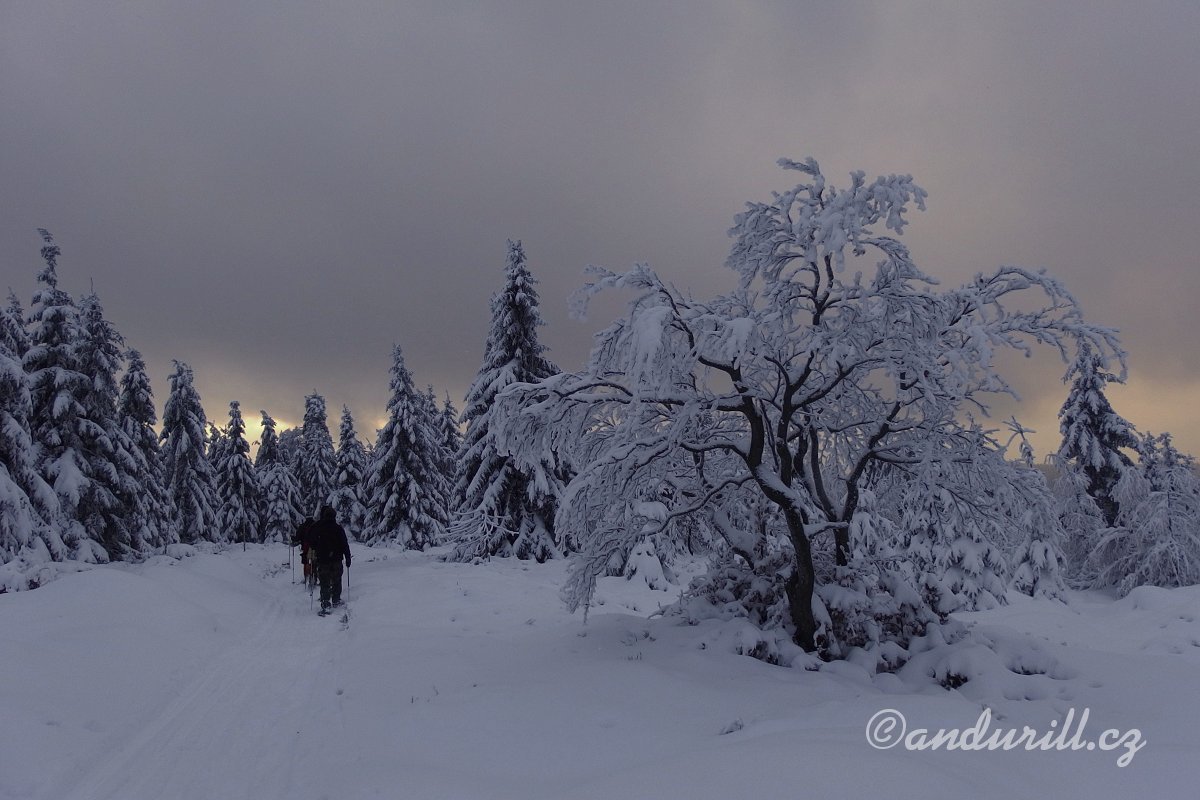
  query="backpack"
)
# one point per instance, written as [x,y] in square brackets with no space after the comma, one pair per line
[328,541]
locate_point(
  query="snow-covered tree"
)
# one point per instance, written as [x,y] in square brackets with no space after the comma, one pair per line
[402,484]
[316,461]
[502,508]
[1037,566]
[29,529]
[1160,460]
[1082,526]
[1157,537]
[951,518]
[349,481]
[216,447]
[237,486]
[71,446]
[451,438]
[280,510]
[1093,434]
[291,442]
[442,483]
[187,472]
[101,355]
[136,417]
[17,336]
[798,384]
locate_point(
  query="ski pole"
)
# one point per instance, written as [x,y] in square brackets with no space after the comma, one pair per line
[292,562]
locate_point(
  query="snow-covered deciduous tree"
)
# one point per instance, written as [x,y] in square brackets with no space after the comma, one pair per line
[349,479]
[71,446]
[501,508]
[187,472]
[316,461]
[797,384]
[1156,540]
[280,510]
[237,486]
[136,417]
[403,503]
[1093,435]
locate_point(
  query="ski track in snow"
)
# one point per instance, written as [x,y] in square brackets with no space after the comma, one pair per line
[284,657]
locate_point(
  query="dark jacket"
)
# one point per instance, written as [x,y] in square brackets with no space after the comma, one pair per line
[329,541]
[303,535]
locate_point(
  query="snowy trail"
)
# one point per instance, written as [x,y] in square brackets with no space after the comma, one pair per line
[212,678]
[249,698]
[175,750]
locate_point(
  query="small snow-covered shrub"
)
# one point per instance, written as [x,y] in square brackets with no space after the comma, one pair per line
[644,563]
[731,589]
[983,664]
[874,609]
[180,550]
[22,574]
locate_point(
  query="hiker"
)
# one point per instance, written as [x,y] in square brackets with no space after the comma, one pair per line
[329,546]
[303,537]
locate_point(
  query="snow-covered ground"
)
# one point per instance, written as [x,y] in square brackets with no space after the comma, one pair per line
[210,677]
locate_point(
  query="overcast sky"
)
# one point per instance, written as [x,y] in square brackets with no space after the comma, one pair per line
[277,192]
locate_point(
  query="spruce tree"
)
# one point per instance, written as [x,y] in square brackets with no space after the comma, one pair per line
[1156,540]
[136,417]
[1038,561]
[1082,525]
[450,440]
[280,510]
[17,336]
[442,459]
[949,521]
[500,509]
[237,487]
[70,444]
[1093,434]
[349,480]
[450,435]
[187,471]
[403,504]
[291,443]
[28,506]
[968,570]
[115,460]
[316,460]
[216,447]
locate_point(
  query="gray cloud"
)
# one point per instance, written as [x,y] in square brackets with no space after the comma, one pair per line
[277,193]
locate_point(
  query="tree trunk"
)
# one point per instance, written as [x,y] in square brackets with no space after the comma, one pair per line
[800,586]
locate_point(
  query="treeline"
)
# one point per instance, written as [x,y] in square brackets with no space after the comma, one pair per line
[87,474]
[811,432]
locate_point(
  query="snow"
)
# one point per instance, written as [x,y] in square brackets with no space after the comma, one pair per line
[209,676]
